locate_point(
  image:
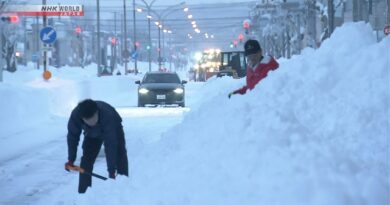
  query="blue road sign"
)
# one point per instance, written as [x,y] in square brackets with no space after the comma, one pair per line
[134,55]
[48,35]
[35,57]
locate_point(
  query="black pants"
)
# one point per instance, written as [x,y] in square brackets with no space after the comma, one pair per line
[91,148]
[122,162]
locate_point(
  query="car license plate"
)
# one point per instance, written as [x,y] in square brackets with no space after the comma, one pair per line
[160,97]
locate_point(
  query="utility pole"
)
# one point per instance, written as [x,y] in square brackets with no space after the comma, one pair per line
[135,40]
[115,47]
[150,45]
[99,71]
[297,44]
[125,35]
[44,45]
[1,44]
[149,7]
[1,52]
[170,52]
[330,17]
[24,41]
[2,5]
[159,47]
[312,22]
[357,10]
[388,11]
[288,42]
[369,8]
[37,40]
[163,47]
[122,43]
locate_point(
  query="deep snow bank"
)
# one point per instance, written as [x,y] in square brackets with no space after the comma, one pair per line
[315,131]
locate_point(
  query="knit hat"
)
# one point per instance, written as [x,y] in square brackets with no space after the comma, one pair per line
[252,47]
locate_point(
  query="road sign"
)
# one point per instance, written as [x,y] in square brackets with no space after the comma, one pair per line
[46,48]
[134,55]
[386,30]
[35,57]
[48,35]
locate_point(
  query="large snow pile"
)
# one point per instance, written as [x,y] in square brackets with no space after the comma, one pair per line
[28,103]
[13,116]
[315,131]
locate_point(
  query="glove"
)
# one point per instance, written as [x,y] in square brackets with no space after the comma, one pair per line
[112,175]
[230,95]
[68,165]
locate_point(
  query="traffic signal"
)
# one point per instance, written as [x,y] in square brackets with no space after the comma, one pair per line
[113,41]
[77,30]
[247,25]
[241,37]
[10,19]
[235,42]
[148,47]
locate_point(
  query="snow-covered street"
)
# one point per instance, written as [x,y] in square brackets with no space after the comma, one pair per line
[31,170]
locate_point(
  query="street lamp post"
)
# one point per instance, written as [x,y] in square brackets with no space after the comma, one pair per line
[169,49]
[150,44]
[1,44]
[135,40]
[163,45]
[126,52]
[159,46]
[99,71]
[161,17]
[1,56]
[44,45]
[149,8]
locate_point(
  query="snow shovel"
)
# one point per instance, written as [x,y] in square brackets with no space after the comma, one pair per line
[82,171]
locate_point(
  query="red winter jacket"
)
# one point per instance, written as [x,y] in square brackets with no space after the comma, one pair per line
[253,77]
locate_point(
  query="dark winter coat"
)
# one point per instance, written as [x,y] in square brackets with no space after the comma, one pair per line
[255,75]
[108,129]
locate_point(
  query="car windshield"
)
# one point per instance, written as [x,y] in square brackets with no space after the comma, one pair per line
[161,78]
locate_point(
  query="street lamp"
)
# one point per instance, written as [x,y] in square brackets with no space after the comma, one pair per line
[125,50]
[149,44]
[161,16]
[135,40]
[170,49]
[149,7]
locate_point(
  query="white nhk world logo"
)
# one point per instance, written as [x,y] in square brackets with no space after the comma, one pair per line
[47,36]
[61,8]
[45,10]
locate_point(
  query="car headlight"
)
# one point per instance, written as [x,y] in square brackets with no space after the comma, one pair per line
[179,90]
[143,90]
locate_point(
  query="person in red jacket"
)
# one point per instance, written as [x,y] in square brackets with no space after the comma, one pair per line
[258,66]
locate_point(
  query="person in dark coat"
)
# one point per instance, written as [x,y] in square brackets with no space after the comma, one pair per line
[258,66]
[101,124]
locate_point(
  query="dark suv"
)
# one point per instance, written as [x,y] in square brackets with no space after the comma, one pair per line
[161,88]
